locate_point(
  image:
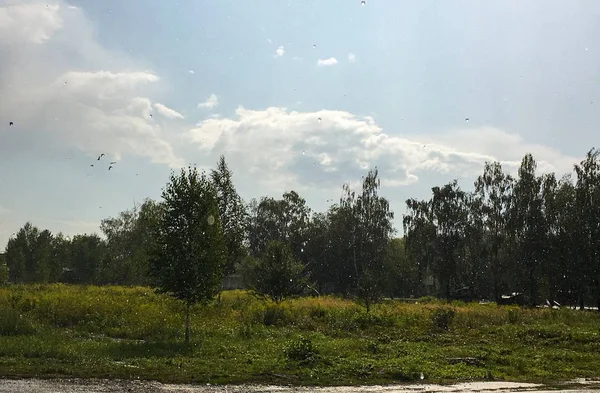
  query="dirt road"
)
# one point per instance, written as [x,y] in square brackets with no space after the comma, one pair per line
[119,386]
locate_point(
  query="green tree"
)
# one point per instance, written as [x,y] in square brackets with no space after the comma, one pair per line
[369,234]
[232,214]
[588,207]
[420,234]
[528,229]
[29,255]
[129,236]
[402,272]
[286,220]
[275,274]
[494,190]
[3,270]
[449,215]
[87,253]
[189,253]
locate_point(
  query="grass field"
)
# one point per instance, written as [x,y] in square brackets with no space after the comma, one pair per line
[118,332]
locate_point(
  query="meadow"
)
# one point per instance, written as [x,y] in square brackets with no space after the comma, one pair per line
[131,332]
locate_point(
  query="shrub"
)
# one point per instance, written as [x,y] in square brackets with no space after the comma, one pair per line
[13,324]
[301,350]
[514,316]
[441,318]
[273,316]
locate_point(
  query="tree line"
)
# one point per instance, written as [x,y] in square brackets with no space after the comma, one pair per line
[536,235]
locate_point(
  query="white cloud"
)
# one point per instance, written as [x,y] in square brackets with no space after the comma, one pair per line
[279,52]
[191,72]
[103,106]
[327,62]
[167,112]
[351,57]
[30,23]
[267,145]
[211,102]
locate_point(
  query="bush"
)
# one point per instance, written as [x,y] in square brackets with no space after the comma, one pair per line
[441,318]
[273,316]
[301,350]
[514,316]
[13,324]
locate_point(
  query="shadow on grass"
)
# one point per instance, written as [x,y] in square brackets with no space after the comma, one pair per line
[150,349]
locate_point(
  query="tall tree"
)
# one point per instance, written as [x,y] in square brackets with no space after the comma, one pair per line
[29,255]
[232,215]
[420,234]
[189,254]
[369,236]
[87,253]
[129,236]
[286,220]
[588,206]
[528,228]
[494,189]
[448,213]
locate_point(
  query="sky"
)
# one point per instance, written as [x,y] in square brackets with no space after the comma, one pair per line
[298,95]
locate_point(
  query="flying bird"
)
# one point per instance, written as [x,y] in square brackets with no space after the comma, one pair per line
[10,123]
[151,115]
[100,156]
[109,167]
[113,162]
[92,165]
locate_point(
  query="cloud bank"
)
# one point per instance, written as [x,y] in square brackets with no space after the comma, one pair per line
[102,105]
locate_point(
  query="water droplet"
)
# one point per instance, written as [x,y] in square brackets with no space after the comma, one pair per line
[303,153]
[320,120]
[467,119]
[363,2]
[65,83]
[422,376]
[314,45]
[586,49]
[211,220]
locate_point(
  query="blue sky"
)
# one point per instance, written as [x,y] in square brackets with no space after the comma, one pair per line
[392,82]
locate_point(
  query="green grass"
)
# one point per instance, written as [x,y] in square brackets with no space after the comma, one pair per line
[118,332]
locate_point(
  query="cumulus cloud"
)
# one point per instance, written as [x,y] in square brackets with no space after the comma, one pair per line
[167,112]
[279,52]
[351,57]
[102,106]
[41,22]
[323,149]
[327,62]
[211,102]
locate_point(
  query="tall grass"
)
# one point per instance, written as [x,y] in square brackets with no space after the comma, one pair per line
[131,331]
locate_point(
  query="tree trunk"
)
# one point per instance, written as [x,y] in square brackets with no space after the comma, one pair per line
[581,300]
[187,322]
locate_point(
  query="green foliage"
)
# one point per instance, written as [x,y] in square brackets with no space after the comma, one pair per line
[132,332]
[232,215]
[301,349]
[442,317]
[188,253]
[12,323]
[3,271]
[275,274]
[129,241]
